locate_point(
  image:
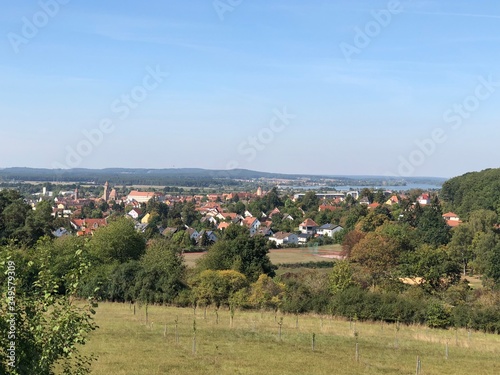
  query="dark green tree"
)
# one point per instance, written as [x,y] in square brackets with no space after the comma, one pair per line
[162,273]
[119,241]
[240,252]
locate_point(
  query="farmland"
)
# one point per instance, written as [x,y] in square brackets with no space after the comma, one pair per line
[125,344]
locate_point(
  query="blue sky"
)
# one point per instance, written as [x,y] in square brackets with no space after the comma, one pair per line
[231,70]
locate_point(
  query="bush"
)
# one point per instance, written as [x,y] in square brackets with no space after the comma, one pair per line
[437,315]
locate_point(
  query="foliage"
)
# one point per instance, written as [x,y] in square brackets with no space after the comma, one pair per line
[119,241]
[19,223]
[266,293]
[430,226]
[240,252]
[377,254]
[437,316]
[48,326]
[161,275]
[473,191]
[341,277]
[217,287]
[436,267]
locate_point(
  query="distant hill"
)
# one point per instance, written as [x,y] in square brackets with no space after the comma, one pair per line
[128,174]
[195,177]
[473,191]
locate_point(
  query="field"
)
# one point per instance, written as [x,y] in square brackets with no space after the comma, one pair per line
[291,255]
[125,344]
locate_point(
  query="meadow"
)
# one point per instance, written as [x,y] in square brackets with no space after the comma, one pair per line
[184,341]
[287,255]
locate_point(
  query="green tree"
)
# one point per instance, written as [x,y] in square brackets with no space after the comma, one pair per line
[13,213]
[341,277]
[189,215]
[371,222]
[39,222]
[431,227]
[461,245]
[217,287]
[50,327]
[240,252]
[309,202]
[368,193]
[492,272]
[119,241]
[162,273]
[435,267]
[482,248]
[378,254]
[266,293]
[272,200]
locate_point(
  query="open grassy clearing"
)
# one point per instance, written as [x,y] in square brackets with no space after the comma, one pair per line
[292,255]
[126,345]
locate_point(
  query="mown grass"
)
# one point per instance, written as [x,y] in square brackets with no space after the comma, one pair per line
[291,255]
[125,344]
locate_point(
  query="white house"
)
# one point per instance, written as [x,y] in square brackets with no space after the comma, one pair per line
[134,213]
[424,199]
[193,233]
[308,226]
[283,238]
[252,224]
[329,229]
[303,237]
[210,235]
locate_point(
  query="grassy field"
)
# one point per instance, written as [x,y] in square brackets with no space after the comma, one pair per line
[292,255]
[126,345]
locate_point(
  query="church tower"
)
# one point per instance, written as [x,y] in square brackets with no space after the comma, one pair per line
[105,196]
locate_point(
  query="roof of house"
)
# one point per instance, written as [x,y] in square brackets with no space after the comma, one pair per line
[223,225]
[394,199]
[328,226]
[281,235]
[453,223]
[328,207]
[136,193]
[248,221]
[308,223]
[374,205]
[450,214]
[89,223]
[169,230]
[191,231]
[231,215]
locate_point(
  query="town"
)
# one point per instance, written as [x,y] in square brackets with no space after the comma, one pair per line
[203,217]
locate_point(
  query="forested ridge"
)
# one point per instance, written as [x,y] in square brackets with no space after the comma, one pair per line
[473,191]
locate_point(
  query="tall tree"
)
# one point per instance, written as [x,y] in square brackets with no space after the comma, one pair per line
[162,275]
[431,227]
[240,252]
[119,241]
[378,254]
[460,246]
